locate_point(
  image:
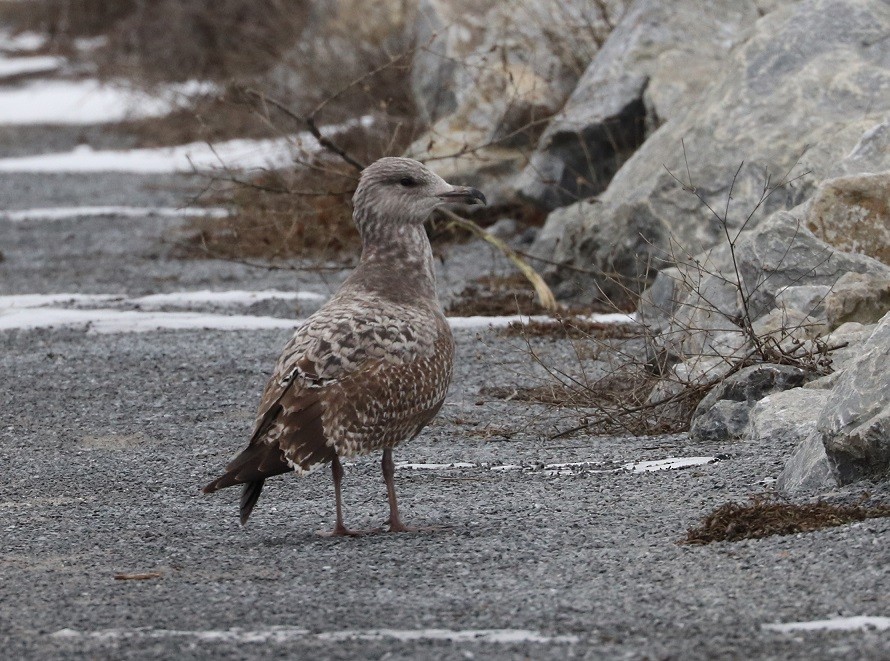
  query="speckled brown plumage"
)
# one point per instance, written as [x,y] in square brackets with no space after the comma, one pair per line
[370,368]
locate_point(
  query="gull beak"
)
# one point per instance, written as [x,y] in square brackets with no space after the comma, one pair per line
[462,195]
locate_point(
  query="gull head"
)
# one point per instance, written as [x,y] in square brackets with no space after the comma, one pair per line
[403,191]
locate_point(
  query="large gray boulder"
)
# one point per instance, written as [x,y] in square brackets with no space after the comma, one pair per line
[659,58]
[871,153]
[489,75]
[783,253]
[851,441]
[786,418]
[855,425]
[724,413]
[446,34]
[761,110]
[853,213]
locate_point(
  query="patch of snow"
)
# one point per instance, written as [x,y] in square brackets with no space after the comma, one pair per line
[670,463]
[571,468]
[432,467]
[283,634]
[89,102]
[21,42]
[239,154]
[506,320]
[279,634]
[176,299]
[507,636]
[42,300]
[41,315]
[19,66]
[133,321]
[834,624]
[573,464]
[65,213]
[231,297]
[86,44]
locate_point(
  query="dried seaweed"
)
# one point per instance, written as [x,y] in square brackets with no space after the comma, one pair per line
[765,515]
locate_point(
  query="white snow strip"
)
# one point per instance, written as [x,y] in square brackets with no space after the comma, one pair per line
[87,102]
[23,41]
[231,297]
[283,634]
[132,321]
[434,467]
[19,301]
[507,636]
[30,311]
[66,213]
[671,463]
[234,154]
[506,320]
[574,466]
[174,299]
[855,623]
[19,66]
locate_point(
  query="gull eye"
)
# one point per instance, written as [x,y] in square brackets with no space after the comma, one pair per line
[408,182]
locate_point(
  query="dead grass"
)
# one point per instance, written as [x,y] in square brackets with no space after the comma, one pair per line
[765,516]
[570,327]
[168,40]
[211,118]
[505,295]
[280,215]
[64,19]
[303,212]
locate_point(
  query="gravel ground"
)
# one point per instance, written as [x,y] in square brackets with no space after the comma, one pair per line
[106,439]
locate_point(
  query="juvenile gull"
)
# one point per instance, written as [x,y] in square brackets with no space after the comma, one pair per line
[369,369]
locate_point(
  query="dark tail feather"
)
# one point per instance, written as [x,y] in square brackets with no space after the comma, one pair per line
[250,493]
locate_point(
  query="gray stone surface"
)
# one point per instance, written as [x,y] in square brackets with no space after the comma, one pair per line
[782,252]
[852,213]
[862,298]
[851,440]
[871,153]
[808,469]
[787,417]
[760,111]
[657,60]
[489,75]
[724,413]
[855,425]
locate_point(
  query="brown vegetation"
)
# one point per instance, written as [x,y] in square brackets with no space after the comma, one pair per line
[764,516]
[572,327]
[166,40]
[503,295]
[280,215]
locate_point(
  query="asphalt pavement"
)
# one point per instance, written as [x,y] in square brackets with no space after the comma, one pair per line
[108,550]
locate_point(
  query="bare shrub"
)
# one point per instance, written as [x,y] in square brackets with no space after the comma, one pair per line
[636,388]
[62,20]
[183,39]
[280,215]
[170,40]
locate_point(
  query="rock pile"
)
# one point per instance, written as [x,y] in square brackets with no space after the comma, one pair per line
[740,151]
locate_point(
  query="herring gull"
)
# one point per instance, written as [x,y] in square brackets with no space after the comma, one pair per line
[370,368]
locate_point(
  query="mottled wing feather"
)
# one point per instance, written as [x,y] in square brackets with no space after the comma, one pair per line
[387,403]
[351,380]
